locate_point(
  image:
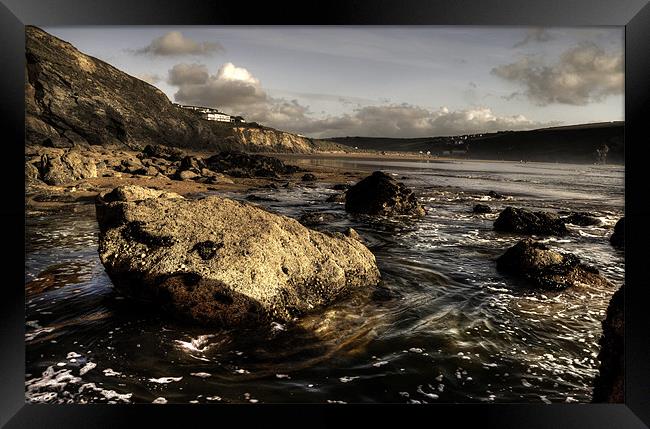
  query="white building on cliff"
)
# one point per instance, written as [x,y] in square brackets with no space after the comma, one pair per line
[210,114]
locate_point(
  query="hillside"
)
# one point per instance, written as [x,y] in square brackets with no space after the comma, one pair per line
[574,143]
[75,99]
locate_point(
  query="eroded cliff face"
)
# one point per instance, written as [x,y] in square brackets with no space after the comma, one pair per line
[75,99]
[269,140]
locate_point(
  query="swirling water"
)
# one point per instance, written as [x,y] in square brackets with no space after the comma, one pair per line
[445,327]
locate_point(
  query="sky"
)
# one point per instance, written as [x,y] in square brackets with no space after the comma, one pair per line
[396,81]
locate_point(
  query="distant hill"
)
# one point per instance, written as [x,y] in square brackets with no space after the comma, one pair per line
[75,99]
[573,143]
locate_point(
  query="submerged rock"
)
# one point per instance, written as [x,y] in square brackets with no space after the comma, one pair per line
[618,237]
[528,222]
[253,197]
[312,219]
[341,187]
[218,261]
[496,195]
[609,383]
[546,268]
[308,177]
[582,219]
[380,194]
[482,208]
[336,198]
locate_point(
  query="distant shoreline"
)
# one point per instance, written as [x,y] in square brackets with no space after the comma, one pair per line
[409,156]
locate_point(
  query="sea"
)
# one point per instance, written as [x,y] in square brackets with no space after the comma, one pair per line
[443,327]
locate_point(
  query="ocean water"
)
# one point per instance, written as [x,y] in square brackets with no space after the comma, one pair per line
[444,327]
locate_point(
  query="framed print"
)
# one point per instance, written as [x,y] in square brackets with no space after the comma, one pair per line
[362,209]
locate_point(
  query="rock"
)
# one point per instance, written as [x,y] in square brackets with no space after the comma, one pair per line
[609,385]
[163,152]
[289,185]
[312,219]
[254,197]
[496,195]
[269,186]
[240,164]
[527,222]
[69,167]
[75,99]
[192,163]
[582,219]
[308,177]
[380,194]
[151,171]
[618,237]
[547,269]
[341,187]
[352,233]
[482,208]
[336,198]
[31,172]
[218,261]
[186,175]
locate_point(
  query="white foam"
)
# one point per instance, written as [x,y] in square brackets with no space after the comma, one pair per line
[159,400]
[201,374]
[87,367]
[347,379]
[108,372]
[165,380]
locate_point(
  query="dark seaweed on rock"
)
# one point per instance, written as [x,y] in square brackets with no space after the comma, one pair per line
[380,194]
[609,384]
[547,269]
[240,164]
[618,237]
[524,221]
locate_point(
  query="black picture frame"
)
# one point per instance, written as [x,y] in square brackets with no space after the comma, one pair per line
[633,14]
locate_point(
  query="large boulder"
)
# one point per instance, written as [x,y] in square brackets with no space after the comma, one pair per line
[380,194]
[547,269]
[609,383]
[523,221]
[240,164]
[618,237]
[218,261]
[69,167]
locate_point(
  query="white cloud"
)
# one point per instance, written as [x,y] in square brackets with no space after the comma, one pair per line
[236,90]
[583,74]
[174,44]
[231,88]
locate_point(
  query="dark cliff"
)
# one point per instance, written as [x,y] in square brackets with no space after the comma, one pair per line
[75,99]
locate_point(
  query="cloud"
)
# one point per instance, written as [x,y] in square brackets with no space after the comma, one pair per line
[188,74]
[150,78]
[236,90]
[232,87]
[175,44]
[582,75]
[539,35]
[405,120]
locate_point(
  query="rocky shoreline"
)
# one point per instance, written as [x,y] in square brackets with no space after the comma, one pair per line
[157,235]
